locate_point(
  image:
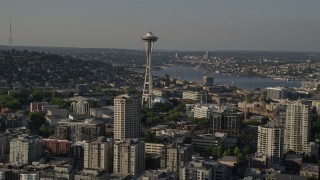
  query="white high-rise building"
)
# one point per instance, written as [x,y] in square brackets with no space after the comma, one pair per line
[99,154]
[270,143]
[129,157]
[297,129]
[126,117]
[25,149]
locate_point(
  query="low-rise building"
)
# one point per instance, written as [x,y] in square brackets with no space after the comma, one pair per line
[258,161]
[30,176]
[205,141]
[227,122]
[91,174]
[37,106]
[196,170]
[57,147]
[309,170]
[157,174]
[228,160]
[63,172]
[197,96]
[88,130]
[277,93]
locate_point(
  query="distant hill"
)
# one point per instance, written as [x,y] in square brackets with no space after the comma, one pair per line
[50,70]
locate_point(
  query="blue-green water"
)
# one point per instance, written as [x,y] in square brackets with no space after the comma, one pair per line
[188,73]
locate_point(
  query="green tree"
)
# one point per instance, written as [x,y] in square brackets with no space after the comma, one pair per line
[247,149]
[241,158]
[181,107]
[201,122]
[45,131]
[163,107]
[214,152]
[229,151]
[220,150]
[36,121]
[225,153]
[236,151]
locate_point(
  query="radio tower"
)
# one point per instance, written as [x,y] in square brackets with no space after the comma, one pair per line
[149,40]
[10,37]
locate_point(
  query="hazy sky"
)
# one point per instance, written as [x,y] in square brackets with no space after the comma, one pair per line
[180,24]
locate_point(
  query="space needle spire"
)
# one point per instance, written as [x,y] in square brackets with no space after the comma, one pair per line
[10,37]
[147,98]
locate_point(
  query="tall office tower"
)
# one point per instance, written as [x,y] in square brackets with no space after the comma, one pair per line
[126,117]
[77,153]
[297,128]
[129,157]
[25,149]
[270,143]
[5,147]
[227,122]
[207,81]
[99,154]
[149,40]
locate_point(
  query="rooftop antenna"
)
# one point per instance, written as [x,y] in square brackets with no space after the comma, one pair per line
[10,38]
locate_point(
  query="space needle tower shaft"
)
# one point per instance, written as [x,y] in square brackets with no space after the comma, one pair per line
[147,98]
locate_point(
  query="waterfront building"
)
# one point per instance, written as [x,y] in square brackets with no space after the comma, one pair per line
[207,81]
[277,93]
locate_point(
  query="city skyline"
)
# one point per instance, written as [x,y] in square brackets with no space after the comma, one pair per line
[183,25]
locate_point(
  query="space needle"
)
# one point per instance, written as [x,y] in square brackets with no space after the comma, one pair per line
[147,98]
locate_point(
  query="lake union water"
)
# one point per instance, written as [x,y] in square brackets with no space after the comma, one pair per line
[188,73]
